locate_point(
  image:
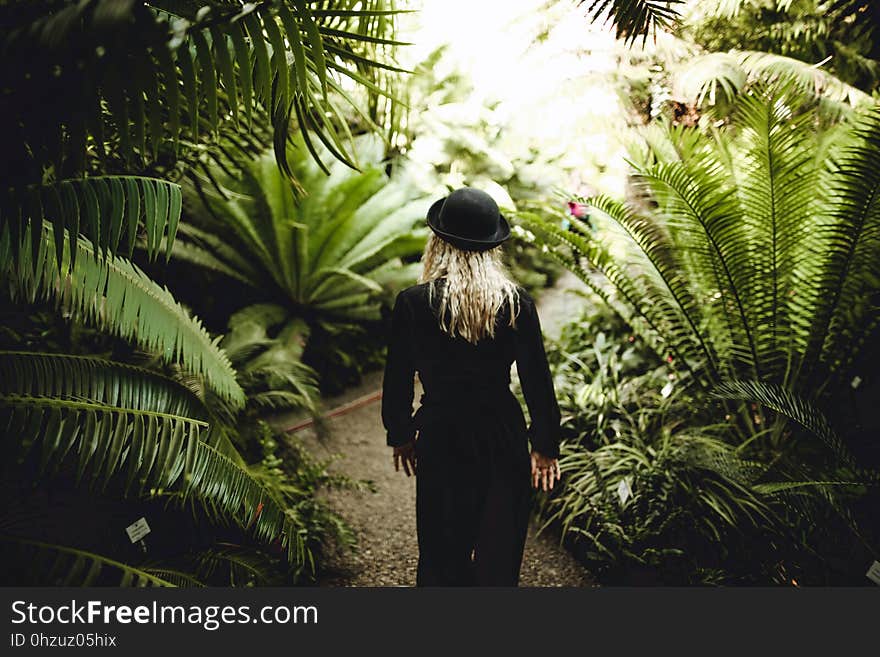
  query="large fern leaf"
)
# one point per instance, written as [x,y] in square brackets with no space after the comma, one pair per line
[106,210]
[145,453]
[708,79]
[778,180]
[80,378]
[166,70]
[61,565]
[791,405]
[319,249]
[850,268]
[114,295]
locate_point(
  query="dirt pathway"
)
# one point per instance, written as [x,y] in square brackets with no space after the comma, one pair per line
[385,521]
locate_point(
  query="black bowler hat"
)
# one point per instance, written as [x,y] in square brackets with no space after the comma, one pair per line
[469,219]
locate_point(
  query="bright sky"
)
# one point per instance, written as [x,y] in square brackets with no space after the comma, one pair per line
[551,92]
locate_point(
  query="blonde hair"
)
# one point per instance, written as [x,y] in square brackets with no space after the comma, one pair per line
[477,286]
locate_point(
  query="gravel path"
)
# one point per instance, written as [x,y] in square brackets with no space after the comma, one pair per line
[385,521]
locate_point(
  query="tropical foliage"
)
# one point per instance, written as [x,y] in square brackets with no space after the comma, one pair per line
[635,18]
[266,166]
[104,104]
[749,263]
[330,257]
[331,253]
[841,33]
[657,491]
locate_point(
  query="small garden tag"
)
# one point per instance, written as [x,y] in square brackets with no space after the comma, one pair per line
[873,573]
[624,492]
[137,530]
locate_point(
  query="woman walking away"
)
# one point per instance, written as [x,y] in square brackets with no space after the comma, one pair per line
[461,328]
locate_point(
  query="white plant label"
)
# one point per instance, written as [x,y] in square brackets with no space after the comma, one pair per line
[873,573]
[137,530]
[624,492]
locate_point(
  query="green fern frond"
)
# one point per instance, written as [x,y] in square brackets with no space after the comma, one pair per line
[168,71]
[244,565]
[255,506]
[850,271]
[90,378]
[774,488]
[175,578]
[711,78]
[638,302]
[106,210]
[778,180]
[790,405]
[319,250]
[146,453]
[61,565]
[116,296]
[635,18]
[149,449]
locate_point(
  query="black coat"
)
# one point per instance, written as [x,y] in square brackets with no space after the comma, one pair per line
[467,402]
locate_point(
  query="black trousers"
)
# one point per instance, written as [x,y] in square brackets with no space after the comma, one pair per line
[472,512]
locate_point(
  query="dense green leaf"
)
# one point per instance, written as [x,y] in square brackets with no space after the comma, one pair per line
[61,565]
[116,296]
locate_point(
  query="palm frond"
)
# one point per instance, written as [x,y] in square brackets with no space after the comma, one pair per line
[850,241]
[712,78]
[106,210]
[61,565]
[635,18]
[90,378]
[790,405]
[114,295]
[164,67]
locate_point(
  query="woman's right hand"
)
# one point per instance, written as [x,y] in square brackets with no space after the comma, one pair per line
[545,471]
[406,454]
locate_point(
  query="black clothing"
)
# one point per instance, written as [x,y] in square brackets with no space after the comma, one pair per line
[473,487]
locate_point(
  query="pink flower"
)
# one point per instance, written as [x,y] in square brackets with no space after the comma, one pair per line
[579,210]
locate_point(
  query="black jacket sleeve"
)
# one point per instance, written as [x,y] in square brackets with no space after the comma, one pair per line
[397,384]
[536,380]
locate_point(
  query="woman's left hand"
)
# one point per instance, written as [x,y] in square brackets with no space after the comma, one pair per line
[545,471]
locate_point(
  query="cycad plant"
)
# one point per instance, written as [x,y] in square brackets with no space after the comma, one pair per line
[200,76]
[750,261]
[839,34]
[331,252]
[654,493]
[751,252]
[118,429]
[103,103]
[139,77]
